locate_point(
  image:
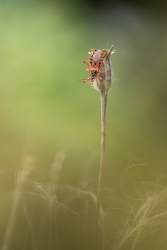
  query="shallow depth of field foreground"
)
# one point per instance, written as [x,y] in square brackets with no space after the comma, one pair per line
[50,126]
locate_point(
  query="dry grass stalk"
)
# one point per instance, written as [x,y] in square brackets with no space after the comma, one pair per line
[102,83]
[23,174]
[150,216]
[101,77]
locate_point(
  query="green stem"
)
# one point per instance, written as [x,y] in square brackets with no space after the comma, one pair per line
[103,97]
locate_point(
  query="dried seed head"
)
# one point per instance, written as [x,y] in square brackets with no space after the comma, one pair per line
[105,77]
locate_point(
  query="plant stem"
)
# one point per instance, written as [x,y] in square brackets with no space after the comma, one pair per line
[103,97]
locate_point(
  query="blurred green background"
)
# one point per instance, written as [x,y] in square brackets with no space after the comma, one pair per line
[43,46]
[43,110]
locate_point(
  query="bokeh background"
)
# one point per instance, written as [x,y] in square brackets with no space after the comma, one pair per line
[43,109]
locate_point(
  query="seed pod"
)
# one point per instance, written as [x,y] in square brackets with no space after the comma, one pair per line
[105,77]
